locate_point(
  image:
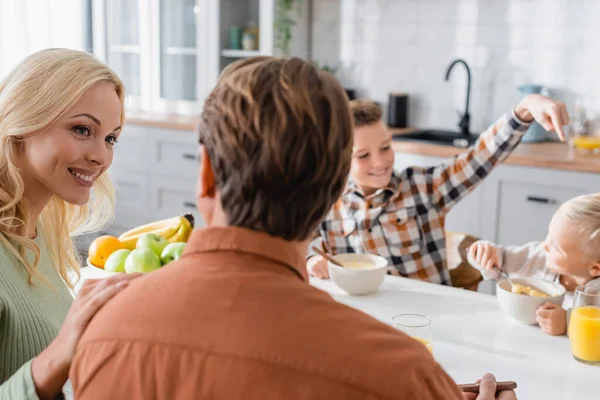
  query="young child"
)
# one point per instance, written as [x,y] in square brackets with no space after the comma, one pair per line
[400,214]
[570,254]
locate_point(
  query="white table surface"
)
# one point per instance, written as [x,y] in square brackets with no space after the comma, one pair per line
[471,336]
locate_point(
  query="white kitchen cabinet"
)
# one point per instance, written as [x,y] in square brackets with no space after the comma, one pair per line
[519,202]
[174,196]
[170,53]
[173,152]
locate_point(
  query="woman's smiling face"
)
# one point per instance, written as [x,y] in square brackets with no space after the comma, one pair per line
[66,158]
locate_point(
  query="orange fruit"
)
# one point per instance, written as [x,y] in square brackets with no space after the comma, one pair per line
[101,248]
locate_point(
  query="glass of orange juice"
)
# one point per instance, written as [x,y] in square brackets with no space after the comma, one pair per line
[416,326]
[584,324]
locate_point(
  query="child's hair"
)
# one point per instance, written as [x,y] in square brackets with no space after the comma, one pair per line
[365,112]
[278,133]
[584,211]
[34,96]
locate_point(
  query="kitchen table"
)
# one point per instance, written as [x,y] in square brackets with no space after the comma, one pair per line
[471,336]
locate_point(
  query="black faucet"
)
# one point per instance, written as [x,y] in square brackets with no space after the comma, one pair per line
[464,118]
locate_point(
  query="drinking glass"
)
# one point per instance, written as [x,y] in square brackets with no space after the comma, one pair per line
[416,326]
[584,324]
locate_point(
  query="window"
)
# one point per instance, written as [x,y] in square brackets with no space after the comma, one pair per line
[151,45]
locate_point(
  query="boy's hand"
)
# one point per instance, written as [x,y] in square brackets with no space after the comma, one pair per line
[317,267]
[552,319]
[549,113]
[485,254]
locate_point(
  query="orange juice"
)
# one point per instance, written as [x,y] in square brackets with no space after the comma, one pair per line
[584,333]
[425,342]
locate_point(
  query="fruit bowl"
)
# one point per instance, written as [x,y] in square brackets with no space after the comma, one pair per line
[522,307]
[142,249]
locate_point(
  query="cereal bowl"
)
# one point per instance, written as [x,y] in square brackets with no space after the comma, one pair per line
[522,307]
[361,274]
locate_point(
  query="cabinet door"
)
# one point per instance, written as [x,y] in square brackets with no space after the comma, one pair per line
[525,209]
[131,152]
[174,153]
[132,194]
[519,202]
[173,196]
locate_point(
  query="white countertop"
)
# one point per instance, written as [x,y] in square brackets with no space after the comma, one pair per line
[471,336]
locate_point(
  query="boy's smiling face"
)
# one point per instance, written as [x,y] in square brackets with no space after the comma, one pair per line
[372,157]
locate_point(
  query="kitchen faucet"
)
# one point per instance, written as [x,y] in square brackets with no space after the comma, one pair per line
[464,118]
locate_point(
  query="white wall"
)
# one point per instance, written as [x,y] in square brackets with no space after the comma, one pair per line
[405,45]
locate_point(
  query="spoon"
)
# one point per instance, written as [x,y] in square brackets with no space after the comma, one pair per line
[327,256]
[504,275]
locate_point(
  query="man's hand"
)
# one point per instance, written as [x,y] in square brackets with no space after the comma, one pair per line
[487,390]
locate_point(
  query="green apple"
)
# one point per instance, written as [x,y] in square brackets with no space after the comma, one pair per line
[172,252]
[116,261]
[153,242]
[142,260]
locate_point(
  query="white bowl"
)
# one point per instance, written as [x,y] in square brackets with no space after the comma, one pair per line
[523,307]
[358,282]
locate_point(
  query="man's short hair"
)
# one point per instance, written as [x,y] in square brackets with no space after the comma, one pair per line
[278,132]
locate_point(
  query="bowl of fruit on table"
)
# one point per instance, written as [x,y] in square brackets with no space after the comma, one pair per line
[142,249]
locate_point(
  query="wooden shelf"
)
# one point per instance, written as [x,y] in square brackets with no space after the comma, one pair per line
[239,53]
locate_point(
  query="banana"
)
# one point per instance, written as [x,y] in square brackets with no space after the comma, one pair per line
[182,234]
[174,229]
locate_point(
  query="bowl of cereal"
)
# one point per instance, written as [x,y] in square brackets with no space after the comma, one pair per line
[360,274]
[521,300]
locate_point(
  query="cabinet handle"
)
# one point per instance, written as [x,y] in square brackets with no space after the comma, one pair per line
[190,156]
[189,204]
[544,200]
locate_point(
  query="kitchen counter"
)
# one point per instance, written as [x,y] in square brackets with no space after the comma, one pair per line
[166,121]
[554,155]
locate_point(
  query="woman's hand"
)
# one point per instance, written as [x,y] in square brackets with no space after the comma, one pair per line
[50,369]
[547,112]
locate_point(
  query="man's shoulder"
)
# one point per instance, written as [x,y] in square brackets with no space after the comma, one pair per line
[305,333]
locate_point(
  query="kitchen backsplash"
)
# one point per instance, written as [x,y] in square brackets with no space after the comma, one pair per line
[383,46]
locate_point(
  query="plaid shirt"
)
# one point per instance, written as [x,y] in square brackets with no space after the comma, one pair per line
[404,222]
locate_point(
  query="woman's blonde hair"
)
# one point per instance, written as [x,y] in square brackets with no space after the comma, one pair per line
[33,97]
[584,211]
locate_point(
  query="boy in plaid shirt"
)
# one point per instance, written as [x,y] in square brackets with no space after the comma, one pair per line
[400,214]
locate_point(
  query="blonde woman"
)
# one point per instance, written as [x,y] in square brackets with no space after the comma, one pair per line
[61,113]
